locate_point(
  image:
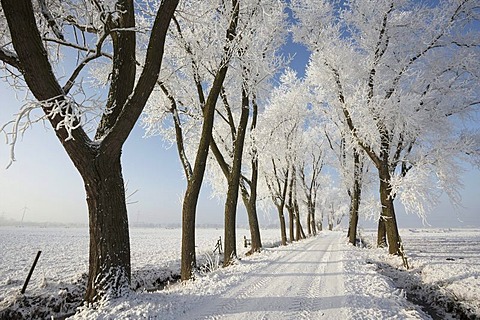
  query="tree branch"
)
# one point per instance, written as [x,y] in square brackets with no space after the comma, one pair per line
[431,45]
[50,20]
[10,58]
[147,80]
[187,168]
[348,118]
[40,78]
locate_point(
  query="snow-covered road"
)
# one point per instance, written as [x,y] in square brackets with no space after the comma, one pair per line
[302,283]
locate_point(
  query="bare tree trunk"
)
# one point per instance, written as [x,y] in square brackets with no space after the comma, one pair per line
[309,223]
[189,209]
[230,252]
[233,184]
[296,217]
[300,234]
[291,223]
[381,233]
[278,192]
[251,203]
[388,212]
[283,229]
[352,228]
[194,185]
[253,224]
[250,199]
[109,259]
[356,195]
[313,223]
[290,205]
[195,181]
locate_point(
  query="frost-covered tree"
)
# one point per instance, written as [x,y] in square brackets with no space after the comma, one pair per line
[296,231]
[263,25]
[333,206]
[196,97]
[279,141]
[402,76]
[350,164]
[311,164]
[204,38]
[34,36]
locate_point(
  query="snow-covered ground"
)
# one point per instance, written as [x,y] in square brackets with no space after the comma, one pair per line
[318,278]
[444,269]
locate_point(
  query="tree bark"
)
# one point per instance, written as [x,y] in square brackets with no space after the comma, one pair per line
[194,185]
[283,229]
[251,206]
[189,209]
[309,223]
[352,228]
[249,198]
[381,233]
[278,191]
[234,182]
[250,201]
[300,234]
[290,204]
[388,211]
[355,201]
[109,259]
[311,214]
[291,223]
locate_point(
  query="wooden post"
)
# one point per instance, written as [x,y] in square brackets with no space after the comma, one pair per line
[30,273]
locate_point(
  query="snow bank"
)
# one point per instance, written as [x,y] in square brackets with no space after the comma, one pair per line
[445,269]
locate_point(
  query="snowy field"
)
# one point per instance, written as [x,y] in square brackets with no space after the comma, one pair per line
[316,278]
[64,256]
[444,268]
[155,255]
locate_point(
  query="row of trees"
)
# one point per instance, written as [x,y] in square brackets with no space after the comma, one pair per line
[398,78]
[385,104]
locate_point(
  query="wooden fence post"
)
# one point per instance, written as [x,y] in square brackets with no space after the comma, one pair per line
[30,273]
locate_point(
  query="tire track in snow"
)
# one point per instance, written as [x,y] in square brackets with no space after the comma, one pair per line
[321,296]
[297,289]
[302,307]
[263,288]
[302,282]
[312,290]
[327,291]
[232,299]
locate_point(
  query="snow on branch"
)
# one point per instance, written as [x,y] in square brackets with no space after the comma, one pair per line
[22,122]
[52,23]
[72,115]
[69,114]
